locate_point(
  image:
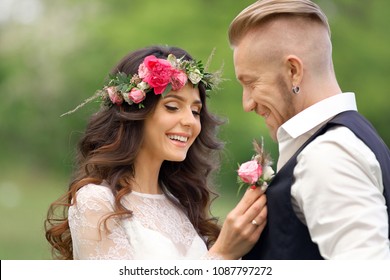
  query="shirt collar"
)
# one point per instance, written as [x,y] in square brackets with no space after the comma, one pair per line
[317,114]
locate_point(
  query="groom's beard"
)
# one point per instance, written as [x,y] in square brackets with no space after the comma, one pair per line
[287,98]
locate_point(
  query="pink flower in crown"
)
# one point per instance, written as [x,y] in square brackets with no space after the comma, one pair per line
[136,95]
[114,95]
[179,79]
[250,171]
[142,71]
[159,73]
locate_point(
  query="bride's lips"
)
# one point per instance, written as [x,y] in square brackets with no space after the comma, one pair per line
[179,139]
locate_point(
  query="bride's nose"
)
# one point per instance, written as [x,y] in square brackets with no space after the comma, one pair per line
[188,118]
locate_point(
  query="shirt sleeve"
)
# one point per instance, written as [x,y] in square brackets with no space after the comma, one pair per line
[90,238]
[338,188]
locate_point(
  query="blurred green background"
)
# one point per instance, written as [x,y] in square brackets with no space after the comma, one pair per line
[55,53]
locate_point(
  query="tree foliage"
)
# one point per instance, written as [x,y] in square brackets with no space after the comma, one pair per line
[53,61]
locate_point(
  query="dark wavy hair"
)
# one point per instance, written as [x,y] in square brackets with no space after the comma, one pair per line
[108,149]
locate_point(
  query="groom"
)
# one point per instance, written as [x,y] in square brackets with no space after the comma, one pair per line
[331,196]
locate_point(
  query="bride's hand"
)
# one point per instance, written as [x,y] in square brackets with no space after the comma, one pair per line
[243,226]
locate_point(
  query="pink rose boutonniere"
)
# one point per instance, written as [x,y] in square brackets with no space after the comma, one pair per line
[258,171]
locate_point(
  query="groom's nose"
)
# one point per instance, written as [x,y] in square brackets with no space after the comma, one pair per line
[248,104]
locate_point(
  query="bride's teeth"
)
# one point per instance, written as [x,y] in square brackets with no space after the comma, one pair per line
[178,138]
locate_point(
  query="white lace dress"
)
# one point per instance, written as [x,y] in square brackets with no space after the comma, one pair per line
[157,229]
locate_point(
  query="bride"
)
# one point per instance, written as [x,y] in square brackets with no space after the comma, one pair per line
[141,189]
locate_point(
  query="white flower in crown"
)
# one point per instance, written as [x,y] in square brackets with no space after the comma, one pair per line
[143,86]
[174,61]
[195,76]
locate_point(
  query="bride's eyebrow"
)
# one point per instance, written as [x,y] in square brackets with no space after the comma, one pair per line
[181,98]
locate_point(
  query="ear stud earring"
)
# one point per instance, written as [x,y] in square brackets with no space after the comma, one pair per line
[295,89]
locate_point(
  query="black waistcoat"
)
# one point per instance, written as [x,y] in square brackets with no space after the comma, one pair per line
[285,236]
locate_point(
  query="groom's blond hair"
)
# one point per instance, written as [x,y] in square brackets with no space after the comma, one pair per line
[263,10]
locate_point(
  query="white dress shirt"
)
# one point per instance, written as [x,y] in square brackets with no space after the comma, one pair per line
[338,188]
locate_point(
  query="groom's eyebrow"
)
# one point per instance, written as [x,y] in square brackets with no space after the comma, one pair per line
[242,77]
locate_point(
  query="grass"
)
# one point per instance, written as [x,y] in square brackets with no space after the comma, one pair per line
[25,195]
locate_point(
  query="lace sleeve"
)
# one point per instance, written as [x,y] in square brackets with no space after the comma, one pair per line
[90,238]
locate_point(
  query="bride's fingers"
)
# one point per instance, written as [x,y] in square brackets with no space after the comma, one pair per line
[250,196]
[255,210]
[261,219]
[254,217]
[253,229]
[254,220]
[257,226]
[244,220]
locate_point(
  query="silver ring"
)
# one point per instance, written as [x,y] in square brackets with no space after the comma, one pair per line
[254,222]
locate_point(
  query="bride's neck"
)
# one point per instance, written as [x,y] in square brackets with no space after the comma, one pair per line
[146,177]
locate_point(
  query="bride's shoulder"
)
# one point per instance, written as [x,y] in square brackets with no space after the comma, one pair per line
[91,201]
[95,192]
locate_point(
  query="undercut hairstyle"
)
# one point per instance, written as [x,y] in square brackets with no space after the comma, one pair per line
[265,10]
[106,154]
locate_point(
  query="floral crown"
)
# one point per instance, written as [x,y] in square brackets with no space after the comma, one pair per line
[157,75]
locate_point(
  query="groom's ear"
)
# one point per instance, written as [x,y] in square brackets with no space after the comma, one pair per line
[294,68]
